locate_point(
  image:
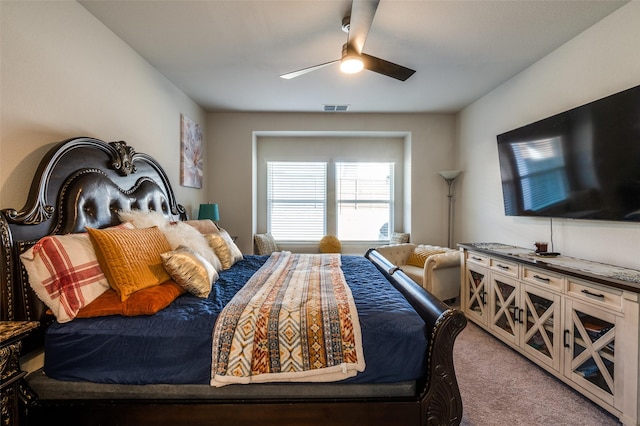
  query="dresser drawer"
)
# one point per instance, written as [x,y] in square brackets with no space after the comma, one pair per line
[478,259]
[595,294]
[542,278]
[504,267]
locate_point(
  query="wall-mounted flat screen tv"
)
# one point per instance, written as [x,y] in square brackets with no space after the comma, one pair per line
[581,164]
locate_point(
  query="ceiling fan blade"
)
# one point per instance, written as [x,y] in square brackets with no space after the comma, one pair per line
[386,68]
[293,74]
[362,13]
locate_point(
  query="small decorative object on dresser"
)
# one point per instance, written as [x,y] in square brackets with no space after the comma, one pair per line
[11,334]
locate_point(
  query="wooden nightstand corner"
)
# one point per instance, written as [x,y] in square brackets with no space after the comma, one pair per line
[11,335]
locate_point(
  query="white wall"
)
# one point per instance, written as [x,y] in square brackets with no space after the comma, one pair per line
[231,162]
[64,74]
[603,60]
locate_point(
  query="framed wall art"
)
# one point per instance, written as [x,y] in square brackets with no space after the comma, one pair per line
[191,161]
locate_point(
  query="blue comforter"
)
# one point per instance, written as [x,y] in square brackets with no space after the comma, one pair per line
[174,345]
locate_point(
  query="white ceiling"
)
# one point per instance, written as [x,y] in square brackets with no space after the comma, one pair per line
[227,55]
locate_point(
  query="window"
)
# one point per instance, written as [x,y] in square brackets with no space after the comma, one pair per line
[364,200]
[297,200]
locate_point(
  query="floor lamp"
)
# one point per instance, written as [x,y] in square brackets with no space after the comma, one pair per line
[449,176]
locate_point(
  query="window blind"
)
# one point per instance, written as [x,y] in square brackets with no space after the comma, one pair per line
[296,200]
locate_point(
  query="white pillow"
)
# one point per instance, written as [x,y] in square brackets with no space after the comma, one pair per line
[64,273]
[142,219]
[181,234]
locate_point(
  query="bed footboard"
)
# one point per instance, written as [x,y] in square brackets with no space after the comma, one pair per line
[439,396]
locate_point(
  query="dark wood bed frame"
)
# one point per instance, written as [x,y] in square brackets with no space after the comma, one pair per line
[84,182]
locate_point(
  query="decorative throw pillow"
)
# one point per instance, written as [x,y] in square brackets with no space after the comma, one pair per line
[265,244]
[147,301]
[204,226]
[399,238]
[190,270]
[130,258]
[181,234]
[224,247]
[420,254]
[65,274]
[177,233]
[330,244]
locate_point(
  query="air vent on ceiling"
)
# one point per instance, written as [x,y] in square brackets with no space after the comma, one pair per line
[335,108]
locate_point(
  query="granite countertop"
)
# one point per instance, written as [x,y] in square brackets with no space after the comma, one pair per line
[617,276]
[11,329]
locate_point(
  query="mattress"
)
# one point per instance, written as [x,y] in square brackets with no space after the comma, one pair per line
[174,345]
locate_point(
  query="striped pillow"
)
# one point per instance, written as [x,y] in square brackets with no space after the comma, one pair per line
[130,258]
[64,273]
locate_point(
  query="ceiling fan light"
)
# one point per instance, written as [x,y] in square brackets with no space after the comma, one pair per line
[351,65]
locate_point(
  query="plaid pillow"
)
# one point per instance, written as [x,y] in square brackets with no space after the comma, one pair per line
[64,273]
[399,238]
[265,244]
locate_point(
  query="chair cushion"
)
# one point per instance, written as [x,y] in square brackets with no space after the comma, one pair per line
[413,272]
[399,238]
[265,244]
[330,244]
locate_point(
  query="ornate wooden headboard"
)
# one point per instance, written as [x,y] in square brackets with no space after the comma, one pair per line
[81,182]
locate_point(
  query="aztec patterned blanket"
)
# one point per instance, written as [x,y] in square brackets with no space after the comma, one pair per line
[294,320]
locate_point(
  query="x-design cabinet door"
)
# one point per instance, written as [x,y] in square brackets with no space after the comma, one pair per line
[475,292]
[540,318]
[526,316]
[503,308]
[590,343]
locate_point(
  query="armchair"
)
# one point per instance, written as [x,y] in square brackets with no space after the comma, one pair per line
[440,273]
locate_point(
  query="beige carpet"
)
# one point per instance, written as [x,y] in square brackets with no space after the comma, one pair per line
[501,387]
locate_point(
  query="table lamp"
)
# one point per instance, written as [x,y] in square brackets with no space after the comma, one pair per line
[209,211]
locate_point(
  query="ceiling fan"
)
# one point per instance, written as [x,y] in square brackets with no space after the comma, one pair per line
[353,60]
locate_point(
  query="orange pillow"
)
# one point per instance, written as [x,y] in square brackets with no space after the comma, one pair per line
[420,254]
[130,258]
[147,301]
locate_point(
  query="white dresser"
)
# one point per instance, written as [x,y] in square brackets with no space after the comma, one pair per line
[577,319]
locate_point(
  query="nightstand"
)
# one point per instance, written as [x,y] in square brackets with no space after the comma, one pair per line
[11,335]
